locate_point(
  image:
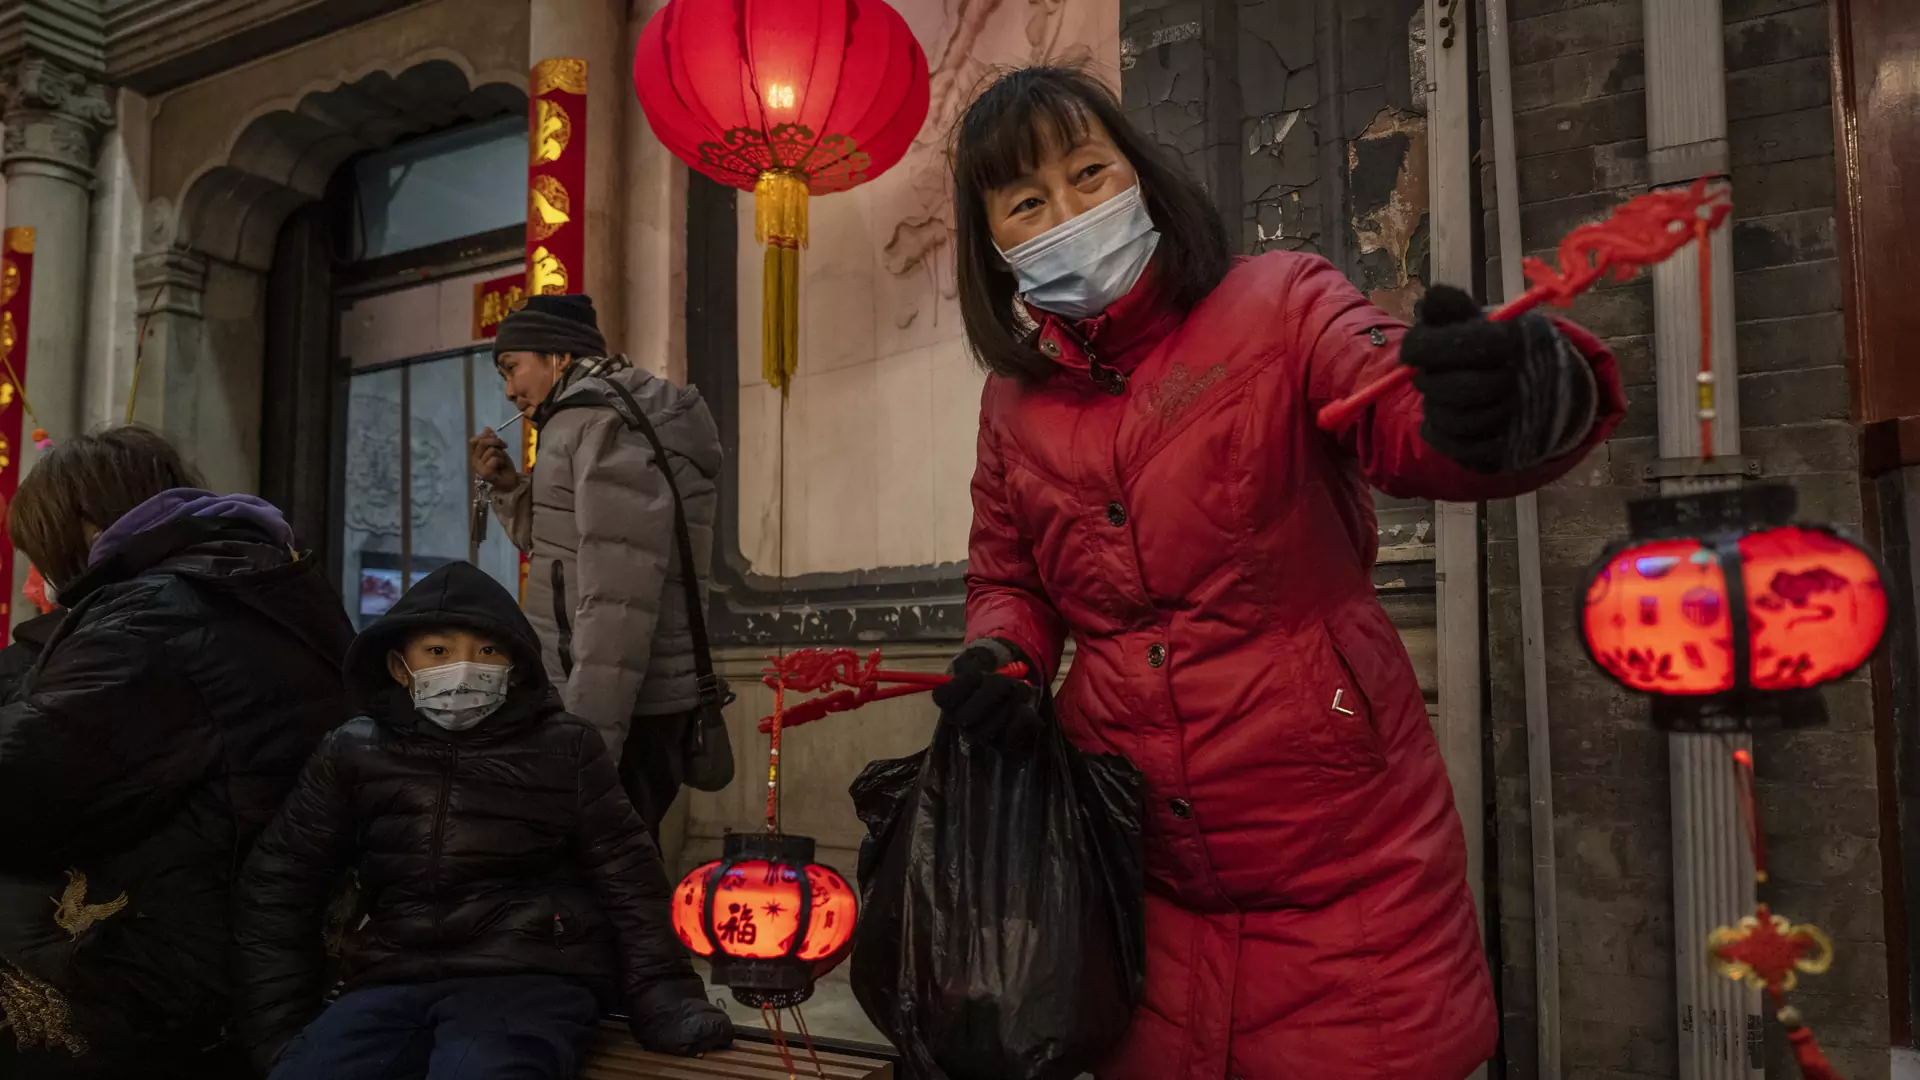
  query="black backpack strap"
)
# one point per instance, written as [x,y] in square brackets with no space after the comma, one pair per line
[636,419]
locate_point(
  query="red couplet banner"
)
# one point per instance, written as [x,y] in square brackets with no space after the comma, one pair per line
[16,294]
[556,196]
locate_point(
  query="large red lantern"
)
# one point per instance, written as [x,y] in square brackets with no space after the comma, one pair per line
[782,98]
[1729,614]
[768,917]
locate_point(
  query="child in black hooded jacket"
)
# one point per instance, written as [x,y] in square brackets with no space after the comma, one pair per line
[512,893]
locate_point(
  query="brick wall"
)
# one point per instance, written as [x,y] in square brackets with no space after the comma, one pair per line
[1581,129]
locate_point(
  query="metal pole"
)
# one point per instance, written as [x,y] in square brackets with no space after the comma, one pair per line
[1457,525]
[1718,1021]
[1546,906]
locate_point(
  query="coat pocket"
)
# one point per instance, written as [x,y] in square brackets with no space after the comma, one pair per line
[1354,740]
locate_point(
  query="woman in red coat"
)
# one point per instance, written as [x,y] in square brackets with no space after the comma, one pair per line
[1151,481]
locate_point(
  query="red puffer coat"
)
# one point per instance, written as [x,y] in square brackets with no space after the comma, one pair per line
[1210,551]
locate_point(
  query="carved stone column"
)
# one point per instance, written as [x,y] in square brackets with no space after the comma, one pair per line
[54,118]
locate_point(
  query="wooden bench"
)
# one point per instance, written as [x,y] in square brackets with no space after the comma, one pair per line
[751,1058]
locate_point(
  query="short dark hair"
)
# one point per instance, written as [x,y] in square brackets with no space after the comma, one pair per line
[89,480]
[1008,130]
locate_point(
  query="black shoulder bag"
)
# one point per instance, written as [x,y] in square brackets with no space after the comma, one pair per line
[708,751]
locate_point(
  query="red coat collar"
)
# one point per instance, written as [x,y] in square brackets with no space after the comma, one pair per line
[1107,347]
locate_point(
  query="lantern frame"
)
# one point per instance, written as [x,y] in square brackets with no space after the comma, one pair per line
[1718,521]
[777,982]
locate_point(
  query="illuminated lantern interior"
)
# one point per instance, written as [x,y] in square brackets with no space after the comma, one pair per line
[1660,618]
[1656,619]
[1815,603]
[768,935]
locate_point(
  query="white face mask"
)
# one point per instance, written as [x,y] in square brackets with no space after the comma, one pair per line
[459,696]
[1081,266]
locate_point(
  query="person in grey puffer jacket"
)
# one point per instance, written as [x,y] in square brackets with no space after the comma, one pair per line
[604,589]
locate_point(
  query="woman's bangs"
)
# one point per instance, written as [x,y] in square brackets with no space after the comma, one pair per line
[1003,140]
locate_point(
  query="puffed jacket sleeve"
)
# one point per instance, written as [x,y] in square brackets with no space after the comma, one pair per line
[1347,343]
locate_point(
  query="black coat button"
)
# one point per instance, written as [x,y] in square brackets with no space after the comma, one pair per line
[1116,514]
[1157,655]
[1181,808]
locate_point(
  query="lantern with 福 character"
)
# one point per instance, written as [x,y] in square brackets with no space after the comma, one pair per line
[769,919]
[1729,614]
[786,99]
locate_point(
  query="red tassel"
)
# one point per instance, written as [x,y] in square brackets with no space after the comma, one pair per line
[1813,1063]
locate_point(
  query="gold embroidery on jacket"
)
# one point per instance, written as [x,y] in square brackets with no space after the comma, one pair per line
[38,1013]
[72,912]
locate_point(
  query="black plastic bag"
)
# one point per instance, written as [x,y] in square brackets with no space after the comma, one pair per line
[1002,920]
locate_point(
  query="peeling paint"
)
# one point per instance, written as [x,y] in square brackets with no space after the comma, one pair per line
[1395,145]
[1270,131]
[1131,48]
[1168,35]
[1417,60]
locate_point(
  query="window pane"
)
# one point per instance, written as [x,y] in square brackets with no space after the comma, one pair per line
[370,546]
[443,187]
[442,495]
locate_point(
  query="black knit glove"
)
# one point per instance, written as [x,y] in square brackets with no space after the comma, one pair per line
[1498,396]
[990,707]
[667,1022]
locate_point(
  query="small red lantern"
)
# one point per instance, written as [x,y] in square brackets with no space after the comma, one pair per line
[771,920]
[1730,615]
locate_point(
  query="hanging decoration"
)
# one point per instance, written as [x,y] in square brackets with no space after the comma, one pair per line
[557,178]
[1730,615]
[786,920]
[556,210]
[786,99]
[809,670]
[16,300]
[1721,608]
[1647,230]
[769,918]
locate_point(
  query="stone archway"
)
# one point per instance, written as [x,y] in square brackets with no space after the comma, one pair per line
[284,158]
[204,277]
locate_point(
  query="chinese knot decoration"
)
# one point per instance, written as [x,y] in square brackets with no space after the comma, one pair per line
[1647,230]
[1721,607]
[771,920]
[1730,615]
[807,670]
[783,98]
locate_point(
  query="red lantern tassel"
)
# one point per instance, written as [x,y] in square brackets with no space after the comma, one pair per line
[1813,1063]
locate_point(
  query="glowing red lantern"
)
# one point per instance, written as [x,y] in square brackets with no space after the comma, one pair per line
[771,920]
[1729,614]
[782,98]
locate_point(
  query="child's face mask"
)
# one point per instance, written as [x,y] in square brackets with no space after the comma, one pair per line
[458,696]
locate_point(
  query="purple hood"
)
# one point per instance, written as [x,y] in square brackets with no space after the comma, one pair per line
[173,505]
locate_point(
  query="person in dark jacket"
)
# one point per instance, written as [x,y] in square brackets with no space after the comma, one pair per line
[196,668]
[29,641]
[512,891]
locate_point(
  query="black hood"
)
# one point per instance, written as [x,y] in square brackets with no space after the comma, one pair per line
[456,596]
